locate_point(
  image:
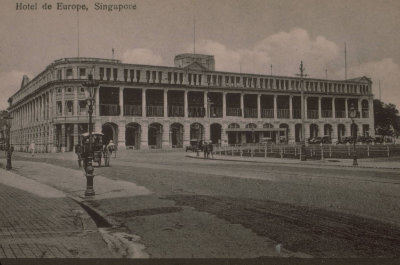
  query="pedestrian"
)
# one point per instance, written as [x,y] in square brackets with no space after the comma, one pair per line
[32,148]
[210,150]
[111,148]
[106,155]
[205,150]
[78,152]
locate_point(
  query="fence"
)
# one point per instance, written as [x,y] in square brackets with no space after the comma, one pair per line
[317,152]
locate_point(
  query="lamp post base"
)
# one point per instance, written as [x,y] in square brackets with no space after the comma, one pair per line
[89,180]
[355,162]
[8,166]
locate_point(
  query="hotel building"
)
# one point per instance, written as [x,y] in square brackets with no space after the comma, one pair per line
[146,106]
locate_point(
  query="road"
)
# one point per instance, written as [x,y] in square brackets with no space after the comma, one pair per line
[208,208]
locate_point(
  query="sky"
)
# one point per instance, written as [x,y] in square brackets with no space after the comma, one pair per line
[246,35]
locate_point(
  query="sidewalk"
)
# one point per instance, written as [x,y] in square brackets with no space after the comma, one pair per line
[379,163]
[38,221]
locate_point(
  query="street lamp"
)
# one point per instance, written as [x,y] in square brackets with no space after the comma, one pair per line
[90,92]
[9,149]
[353,115]
[303,156]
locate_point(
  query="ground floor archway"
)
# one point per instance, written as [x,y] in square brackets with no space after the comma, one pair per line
[110,131]
[133,133]
[176,135]
[298,132]
[313,130]
[215,133]
[341,129]
[196,131]
[155,135]
[328,130]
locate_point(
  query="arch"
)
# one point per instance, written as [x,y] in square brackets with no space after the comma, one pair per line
[298,132]
[233,126]
[155,135]
[215,133]
[365,104]
[133,132]
[354,130]
[341,131]
[110,131]
[196,131]
[251,125]
[268,125]
[284,135]
[313,130]
[328,130]
[176,135]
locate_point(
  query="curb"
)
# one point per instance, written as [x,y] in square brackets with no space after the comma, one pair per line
[294,164]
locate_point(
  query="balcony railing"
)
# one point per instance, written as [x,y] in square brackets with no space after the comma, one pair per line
[312,114]
[215,111]
[250,113]
[365,114]
[283,114]
[296,113]
[133,110]
[197,112]
[233,112]
[155,111]
[176,111]
[340,114]
[326,114]
[109,110]
[267,113]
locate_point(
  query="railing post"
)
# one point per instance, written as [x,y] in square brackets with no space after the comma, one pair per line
[387,147]
[322,152]
[281,152]
[368,150]
[265,151]
[348,150]
[330,151]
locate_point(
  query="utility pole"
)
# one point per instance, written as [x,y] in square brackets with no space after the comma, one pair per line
[303,139]
[345,62]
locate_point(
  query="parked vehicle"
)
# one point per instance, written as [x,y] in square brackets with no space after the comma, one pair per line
[195,145]
[97,146]
[326,139]
[365,139]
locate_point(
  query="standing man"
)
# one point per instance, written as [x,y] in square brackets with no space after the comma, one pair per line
[32,148]
[78,152]
[111,148]
[210,149]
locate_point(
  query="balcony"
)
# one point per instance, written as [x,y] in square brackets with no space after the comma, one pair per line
[365,114]
[340,114]
[326,114]
[312,114]
[216,112]
[250,113]
[234,112]
[133,110]
[296,113]
[198,112]
[176,111]
[109,110]
[155,111]
[283,113]
[267,113]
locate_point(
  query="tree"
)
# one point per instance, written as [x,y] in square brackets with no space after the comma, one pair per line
[387,120]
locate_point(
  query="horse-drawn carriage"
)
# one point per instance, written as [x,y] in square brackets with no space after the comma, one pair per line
[98,148]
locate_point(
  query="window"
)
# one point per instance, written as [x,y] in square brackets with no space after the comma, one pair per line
[82,72]
[195,79]
[59,108]
[82,106]
[159,77]
[115,74]
[208,79]
[70,107]
[190,79]
[175,78]
[214,79]
[180,78]
[59,74]
[69,89]
[101,73]
[137,75]
[108,74]
[169,77]
[82,90]
[220,80]
[125,75]
[154,76]
[132,74]
[147,76]
[69,73]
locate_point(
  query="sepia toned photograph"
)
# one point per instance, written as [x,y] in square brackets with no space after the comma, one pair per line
[186,130]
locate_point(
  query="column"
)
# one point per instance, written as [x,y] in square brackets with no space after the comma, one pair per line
[224,105]
[186,134]
[52,103]
[75,103]
[306,131]
[165,136]
[207,131]
[291,109]
[371,118]
[346,108]
[319,108]
[185,103]
[144,137]
[259,106]
[292,131]
[306,110]
[166,104]
[54,142]
[334,133]
[62,102]
[144,106]
[121,135]
[62,140]
[359,107]
[121,102]
[242,103]
[76,134]
[97,108]
[206,105]
[333,108]
[275,107]
[224,135]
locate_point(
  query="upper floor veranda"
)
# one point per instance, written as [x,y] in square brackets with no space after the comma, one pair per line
[193,76]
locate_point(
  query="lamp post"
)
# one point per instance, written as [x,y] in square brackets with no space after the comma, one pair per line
[353,115]
[9,149]
[303,139]
[90,92]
